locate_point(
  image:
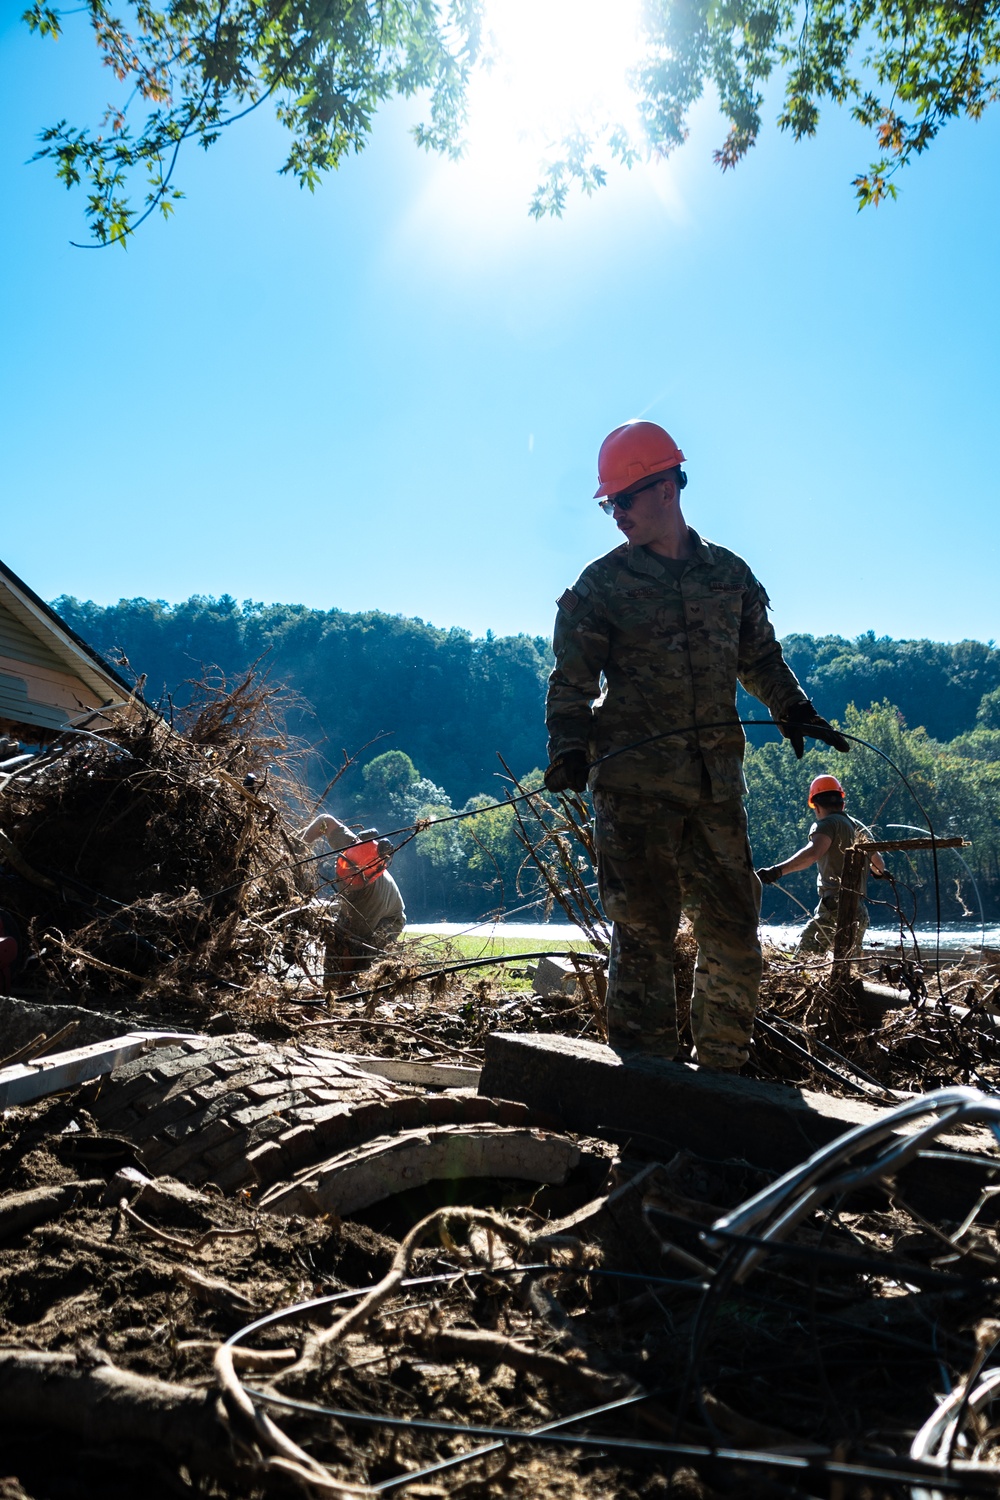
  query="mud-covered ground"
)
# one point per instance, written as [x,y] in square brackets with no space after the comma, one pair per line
[799,1358]
[812,1356]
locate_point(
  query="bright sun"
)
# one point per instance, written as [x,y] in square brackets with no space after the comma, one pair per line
[555,64]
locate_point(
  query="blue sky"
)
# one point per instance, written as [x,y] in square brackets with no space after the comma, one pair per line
[391,394]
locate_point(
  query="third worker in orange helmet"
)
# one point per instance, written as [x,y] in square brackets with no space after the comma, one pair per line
[649,645]
[830,837]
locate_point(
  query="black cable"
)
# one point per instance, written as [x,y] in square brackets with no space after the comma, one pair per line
[412,829]
[866,1265]
[820,1356]
[855,739]
[860,1072]
[415,1475]
[713,1293]
[797,1050]
[499,1437]
[497,1273]
[902,1471]
[606,1273]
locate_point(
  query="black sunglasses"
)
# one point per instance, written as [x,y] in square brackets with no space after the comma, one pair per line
[625,502]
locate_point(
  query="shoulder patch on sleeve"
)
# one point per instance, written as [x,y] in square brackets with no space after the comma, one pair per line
[761,590]
[569,601]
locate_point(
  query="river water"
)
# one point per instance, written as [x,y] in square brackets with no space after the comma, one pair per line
[956,937]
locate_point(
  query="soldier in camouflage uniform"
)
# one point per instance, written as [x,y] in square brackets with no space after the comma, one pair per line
[649,645]
[830,837]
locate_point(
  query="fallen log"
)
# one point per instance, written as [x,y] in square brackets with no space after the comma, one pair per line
[22,1211]
[102,1405]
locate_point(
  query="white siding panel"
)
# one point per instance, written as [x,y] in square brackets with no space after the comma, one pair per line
[17,641]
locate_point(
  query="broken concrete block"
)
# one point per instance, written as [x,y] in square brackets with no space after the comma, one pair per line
[663,1107]
[666,1106]
[554,976]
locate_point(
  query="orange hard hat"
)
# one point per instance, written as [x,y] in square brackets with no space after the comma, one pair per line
[634,452]
[824,784]
[360,865]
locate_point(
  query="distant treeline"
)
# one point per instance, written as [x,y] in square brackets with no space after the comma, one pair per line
[938,686]
[448,699]
[446,702]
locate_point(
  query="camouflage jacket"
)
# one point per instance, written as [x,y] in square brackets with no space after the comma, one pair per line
[639,652]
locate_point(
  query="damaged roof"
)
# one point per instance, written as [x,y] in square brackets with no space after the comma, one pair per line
[50,679]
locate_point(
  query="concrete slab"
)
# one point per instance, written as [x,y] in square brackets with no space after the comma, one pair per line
[554,976]
[668,1106]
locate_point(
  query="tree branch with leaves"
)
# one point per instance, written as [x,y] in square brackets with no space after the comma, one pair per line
[903,68]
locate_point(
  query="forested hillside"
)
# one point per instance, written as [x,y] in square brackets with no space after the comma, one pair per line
[447,699]
[433,707]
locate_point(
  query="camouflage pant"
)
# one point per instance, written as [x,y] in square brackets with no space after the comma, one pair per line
[818,933]
[351,950]
[655,861]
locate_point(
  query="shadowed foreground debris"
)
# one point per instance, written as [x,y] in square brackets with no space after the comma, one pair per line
[593,1306]
[255,1263]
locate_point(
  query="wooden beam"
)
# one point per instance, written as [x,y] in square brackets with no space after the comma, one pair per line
[852,887]
[433,1075]
[852,881]
[22,1082]
[883,845]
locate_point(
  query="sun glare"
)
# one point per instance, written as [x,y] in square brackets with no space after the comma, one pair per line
[553,66]
[555,63]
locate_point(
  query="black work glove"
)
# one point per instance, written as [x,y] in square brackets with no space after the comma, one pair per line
[568,772]
[801,720]
[769,875]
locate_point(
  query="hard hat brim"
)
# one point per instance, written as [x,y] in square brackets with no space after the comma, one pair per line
[610,488]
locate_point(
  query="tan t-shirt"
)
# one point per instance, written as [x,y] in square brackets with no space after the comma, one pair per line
[364,909]
[842,830]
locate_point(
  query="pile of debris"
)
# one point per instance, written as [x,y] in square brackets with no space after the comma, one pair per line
[429,1236]
[156,866]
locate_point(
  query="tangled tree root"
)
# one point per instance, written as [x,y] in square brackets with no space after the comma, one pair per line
[154,865]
